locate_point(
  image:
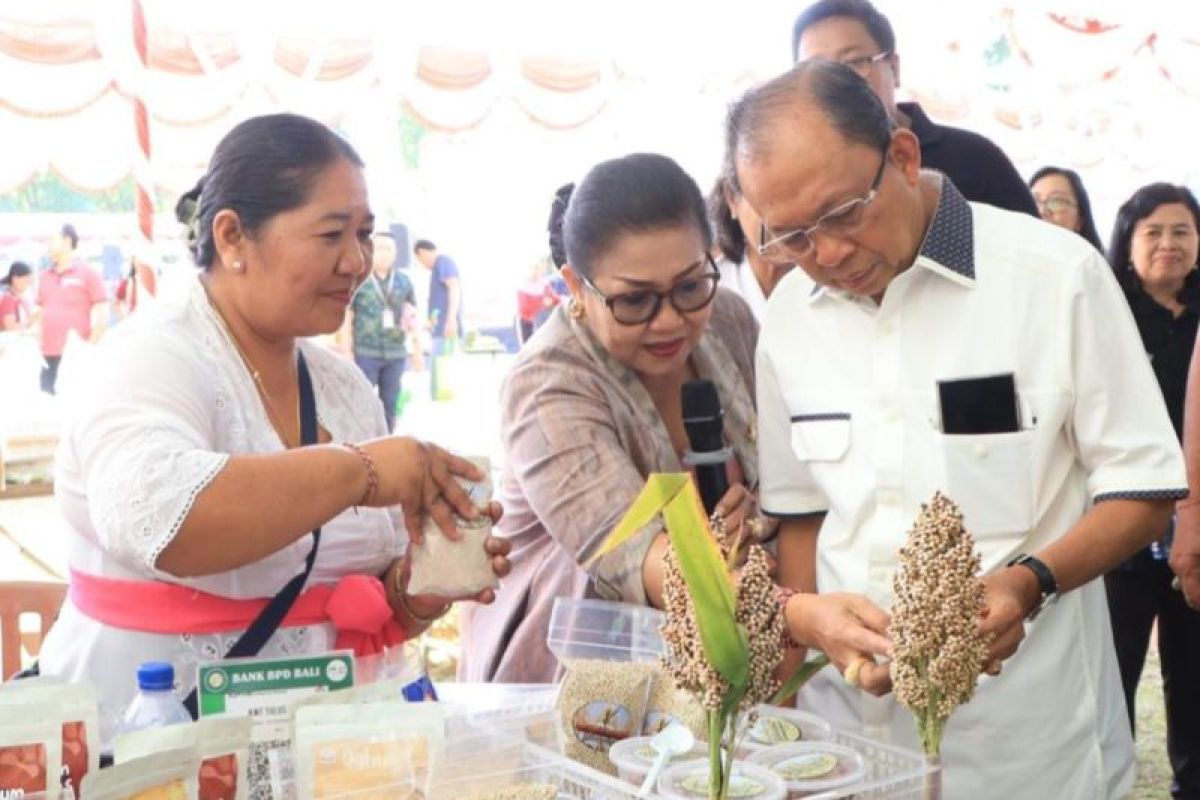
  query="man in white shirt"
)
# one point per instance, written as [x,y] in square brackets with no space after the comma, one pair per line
[914,287]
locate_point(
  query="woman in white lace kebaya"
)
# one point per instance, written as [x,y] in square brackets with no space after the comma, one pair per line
[188,496]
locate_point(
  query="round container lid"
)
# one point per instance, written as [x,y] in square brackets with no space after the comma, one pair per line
[689,781]
[777,725]
[156,676]
[637,753]
[812,766]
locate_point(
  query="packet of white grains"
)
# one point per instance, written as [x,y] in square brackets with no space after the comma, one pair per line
[447,568]
[166,775]
[221,746]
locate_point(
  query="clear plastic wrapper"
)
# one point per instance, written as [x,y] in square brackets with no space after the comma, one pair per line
[449,568]
[495,766]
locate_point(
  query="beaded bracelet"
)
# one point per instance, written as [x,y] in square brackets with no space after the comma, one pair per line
[372,475]
[782,595]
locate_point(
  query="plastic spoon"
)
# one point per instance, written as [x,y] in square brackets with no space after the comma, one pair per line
[673,740]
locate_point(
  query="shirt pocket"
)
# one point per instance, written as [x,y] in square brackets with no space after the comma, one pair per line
[990,477]
[821,437]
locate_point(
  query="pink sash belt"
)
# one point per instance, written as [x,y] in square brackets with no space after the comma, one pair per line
[356,605]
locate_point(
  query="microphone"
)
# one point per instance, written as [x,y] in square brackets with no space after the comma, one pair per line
[703,421]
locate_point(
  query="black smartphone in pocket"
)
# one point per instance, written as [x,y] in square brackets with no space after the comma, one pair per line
[986,404]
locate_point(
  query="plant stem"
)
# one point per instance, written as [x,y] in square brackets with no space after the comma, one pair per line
[716,780]
[931,786]
[730,752]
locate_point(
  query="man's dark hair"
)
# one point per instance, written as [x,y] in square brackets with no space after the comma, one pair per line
[877,24]
[847,101]
[263,167]
[424,244]
[68,231]
[637,193]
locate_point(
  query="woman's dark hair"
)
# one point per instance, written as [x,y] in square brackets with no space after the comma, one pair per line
[554,226]
[1141,205]
[637,193]
[731,239]
[848,102]
[17,269]
[877,24]
[1087,224]
[263,167]
[423,244]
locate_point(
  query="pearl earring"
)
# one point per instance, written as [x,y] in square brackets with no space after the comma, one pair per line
[237,266]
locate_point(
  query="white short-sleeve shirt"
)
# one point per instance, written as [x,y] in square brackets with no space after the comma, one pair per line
[850,426]
[167,403]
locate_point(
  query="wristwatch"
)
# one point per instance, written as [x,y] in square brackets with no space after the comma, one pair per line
[1047,585]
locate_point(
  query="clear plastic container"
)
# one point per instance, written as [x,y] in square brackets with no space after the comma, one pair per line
[155,705]
[634,757]
[602,630]
[689,781]
[776,725]
[811,767]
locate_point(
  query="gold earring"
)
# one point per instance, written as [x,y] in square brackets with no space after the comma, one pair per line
[577,311]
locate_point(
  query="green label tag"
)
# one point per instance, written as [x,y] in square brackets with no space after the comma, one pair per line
[263,688]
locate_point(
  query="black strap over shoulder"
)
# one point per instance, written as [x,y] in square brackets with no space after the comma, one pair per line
[270,618]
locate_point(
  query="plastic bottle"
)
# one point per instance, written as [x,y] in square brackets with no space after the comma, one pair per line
[155,705]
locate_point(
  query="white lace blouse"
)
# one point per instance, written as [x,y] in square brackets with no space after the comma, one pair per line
[168,401]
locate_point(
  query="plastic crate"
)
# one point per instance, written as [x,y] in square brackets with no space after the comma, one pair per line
[893,773]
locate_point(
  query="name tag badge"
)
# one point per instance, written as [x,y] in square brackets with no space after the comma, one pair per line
[388,319]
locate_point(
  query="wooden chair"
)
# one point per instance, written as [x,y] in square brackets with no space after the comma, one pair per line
[25,597]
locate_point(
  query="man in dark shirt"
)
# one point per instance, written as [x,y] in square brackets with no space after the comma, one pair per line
[445,304]
[854,33]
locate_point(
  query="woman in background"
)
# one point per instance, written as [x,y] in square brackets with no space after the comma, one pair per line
[1062,200]
[1154,253]
[14,311]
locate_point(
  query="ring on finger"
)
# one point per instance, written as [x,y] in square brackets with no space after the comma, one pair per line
[853,669]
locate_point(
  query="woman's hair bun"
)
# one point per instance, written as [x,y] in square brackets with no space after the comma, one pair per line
[558,212]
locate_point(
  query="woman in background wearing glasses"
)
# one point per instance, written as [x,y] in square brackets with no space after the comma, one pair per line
[592,406]
[1062,200]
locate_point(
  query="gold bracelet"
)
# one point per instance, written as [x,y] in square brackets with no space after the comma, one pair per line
[402,594]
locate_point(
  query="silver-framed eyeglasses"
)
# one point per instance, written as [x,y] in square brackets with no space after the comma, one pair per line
[1055,204]
[641,306]
[862,64]
[788,248]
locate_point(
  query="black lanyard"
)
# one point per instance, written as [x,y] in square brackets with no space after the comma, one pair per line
[270,618]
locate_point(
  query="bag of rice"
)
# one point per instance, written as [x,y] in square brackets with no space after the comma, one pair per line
[459,568]
[221,746]
[167,775]
[669,703]
[380,751]
[70,706]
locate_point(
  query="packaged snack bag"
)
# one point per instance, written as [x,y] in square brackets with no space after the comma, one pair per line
[221,746]
[71,706]
[30,756]
[167,775]
[379,751]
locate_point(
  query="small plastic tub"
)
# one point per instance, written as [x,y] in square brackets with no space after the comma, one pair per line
[689,781]
[634,757]
[811,767]
[598,629]
[776,726]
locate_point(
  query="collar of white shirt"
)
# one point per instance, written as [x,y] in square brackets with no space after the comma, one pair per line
[948,249]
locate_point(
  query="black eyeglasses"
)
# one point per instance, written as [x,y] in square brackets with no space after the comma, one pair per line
[788,248]
[643,305]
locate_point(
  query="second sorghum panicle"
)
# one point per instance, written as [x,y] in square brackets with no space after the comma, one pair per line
[938,652]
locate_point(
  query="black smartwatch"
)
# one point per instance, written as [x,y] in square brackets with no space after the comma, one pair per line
[1047,585]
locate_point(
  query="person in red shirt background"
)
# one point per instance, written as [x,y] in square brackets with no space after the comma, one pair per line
[72,298]
[15,314]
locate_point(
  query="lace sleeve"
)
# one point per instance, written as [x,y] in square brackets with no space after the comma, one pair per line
[144,446]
